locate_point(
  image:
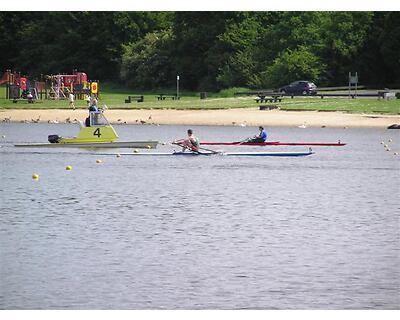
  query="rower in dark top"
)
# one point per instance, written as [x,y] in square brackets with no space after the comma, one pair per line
[92,108]
[191,142]
[262,137]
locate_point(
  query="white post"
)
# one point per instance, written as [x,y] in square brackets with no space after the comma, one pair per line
[177,87]
[349,84]
[356,83]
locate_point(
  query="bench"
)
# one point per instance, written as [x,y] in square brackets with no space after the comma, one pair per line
[21,99]
[163,96]
[136,98]
[270,107]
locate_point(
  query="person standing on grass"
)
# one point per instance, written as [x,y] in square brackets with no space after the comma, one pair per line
[30,97]
[71,100]
[88,100]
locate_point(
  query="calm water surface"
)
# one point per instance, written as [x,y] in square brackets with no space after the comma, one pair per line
[319,232]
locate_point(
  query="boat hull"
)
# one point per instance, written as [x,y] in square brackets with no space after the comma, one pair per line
[273,143]
[234,154]
[117,144]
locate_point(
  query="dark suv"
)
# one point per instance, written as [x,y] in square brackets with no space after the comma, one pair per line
[299,87]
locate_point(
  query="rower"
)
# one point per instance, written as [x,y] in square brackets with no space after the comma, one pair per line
[262,137]
[191,142]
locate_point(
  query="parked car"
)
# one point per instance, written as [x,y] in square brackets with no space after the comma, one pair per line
[299,87]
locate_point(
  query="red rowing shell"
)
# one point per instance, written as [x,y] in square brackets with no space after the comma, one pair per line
[274,143]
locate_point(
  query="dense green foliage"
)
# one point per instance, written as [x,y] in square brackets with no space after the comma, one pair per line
[209,50]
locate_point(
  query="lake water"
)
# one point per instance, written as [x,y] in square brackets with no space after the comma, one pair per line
[317,232]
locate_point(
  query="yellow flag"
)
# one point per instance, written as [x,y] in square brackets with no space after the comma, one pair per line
[93,87]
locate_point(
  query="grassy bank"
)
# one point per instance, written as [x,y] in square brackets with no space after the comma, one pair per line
[114,98]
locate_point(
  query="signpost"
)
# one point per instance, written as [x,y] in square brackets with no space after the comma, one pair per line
[353,80]
[177,87]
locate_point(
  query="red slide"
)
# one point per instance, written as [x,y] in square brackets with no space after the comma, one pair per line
[4,78]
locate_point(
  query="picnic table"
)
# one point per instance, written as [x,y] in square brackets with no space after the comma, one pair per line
[15,100]
[163,96]
[137,98]
[270,98]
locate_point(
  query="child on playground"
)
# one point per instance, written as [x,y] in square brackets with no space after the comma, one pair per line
[88,100]
[30,97]
[71,100]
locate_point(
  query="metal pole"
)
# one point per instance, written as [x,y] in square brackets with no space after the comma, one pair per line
[177,87]
[349,83]
[356,83]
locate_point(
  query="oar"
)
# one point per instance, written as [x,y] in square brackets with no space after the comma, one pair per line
[183,146]
[245,140]
[213,151]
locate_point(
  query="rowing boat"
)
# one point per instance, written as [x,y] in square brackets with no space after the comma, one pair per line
[234,154]
[274,143]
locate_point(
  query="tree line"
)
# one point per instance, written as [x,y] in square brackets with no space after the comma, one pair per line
[209,50]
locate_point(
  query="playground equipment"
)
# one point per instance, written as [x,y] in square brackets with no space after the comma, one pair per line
[54,87]
[62,85]
[18,87]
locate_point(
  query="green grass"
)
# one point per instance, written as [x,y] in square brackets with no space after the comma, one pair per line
[114,97]
[360,105]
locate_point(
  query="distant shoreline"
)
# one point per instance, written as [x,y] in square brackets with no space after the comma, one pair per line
[227,117]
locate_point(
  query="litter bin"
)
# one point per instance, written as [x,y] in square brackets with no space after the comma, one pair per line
[203,95]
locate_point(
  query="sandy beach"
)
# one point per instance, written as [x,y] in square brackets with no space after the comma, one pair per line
[243,117]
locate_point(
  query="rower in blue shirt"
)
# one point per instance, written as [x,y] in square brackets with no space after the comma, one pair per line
[262,137]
